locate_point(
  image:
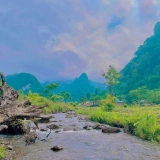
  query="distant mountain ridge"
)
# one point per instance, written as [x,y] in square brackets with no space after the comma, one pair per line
[78,88]
[24,82]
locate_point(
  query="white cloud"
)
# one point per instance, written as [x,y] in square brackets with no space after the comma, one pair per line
[91,40]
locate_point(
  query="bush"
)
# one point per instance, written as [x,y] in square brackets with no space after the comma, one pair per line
[2,152]
[125,106]
[108,104]
[146,127]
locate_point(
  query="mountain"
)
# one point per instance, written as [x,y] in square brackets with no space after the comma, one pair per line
[144,68]
[64,84]
[78,87]
[25,82]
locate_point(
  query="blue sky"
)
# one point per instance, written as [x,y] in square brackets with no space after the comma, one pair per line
[60,39]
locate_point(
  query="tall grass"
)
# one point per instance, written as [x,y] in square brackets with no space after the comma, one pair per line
[52,107]
[2,152]
[140,121]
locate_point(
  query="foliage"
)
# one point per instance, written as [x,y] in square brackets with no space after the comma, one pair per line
[56,98]
[74,104]
[125,106]
[143,95]
[144,68]
[140,121]
[146,127]
[108,104]
[112,77]
[65,95]
[2,152]
[50,88]
[52,107]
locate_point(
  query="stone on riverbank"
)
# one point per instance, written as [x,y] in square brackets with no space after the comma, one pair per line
[111,130]
[53,126]
[57,148]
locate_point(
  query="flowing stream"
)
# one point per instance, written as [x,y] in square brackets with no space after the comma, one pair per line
[84,145]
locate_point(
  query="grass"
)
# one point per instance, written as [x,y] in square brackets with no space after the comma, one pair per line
[52,107]
[143,122]
[2,152]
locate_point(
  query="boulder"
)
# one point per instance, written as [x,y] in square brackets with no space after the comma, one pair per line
[87,127]
[43,129]
[53,126]
[46,116]
[69,116]
[96,126]
[77,129]
[57,148]
[109,129]
[9,147]
[57,131]
[66,128]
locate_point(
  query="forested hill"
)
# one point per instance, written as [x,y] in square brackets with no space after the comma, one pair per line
[144,68]
[25,82]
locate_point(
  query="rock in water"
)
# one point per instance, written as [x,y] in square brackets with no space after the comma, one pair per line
[9,147]
[53,126]
[110,130]
[57,148]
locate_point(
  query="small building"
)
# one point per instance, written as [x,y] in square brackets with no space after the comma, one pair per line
[119,102]
[89,103]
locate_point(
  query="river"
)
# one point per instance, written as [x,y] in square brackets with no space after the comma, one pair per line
[84,144]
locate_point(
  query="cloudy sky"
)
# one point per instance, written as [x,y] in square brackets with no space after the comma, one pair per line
[60,39]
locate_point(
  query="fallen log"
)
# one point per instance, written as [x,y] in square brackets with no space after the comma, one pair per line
[13,112]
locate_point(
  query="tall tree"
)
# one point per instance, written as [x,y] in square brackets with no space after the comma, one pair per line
[112,76]
[50,88]
[66,95]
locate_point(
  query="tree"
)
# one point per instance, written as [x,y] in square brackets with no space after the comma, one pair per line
[112,77]
[65,95]
[56,98]
[50,88]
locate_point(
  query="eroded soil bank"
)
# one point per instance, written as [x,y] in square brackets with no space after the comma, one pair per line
[82,144]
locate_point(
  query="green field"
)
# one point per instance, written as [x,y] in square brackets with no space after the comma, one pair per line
[143,122]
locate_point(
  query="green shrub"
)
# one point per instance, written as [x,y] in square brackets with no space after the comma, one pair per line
[125,106]
[108,104]
[2,152]
[146,127]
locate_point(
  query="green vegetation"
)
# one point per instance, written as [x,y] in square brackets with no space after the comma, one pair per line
[143,96]
[144,68]
[24,81]
[112,77]
[52,107]
[143,122]
[2,152]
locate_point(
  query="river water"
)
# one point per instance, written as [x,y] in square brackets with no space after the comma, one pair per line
[85,145]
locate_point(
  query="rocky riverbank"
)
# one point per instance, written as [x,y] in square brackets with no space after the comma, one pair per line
[82,140]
